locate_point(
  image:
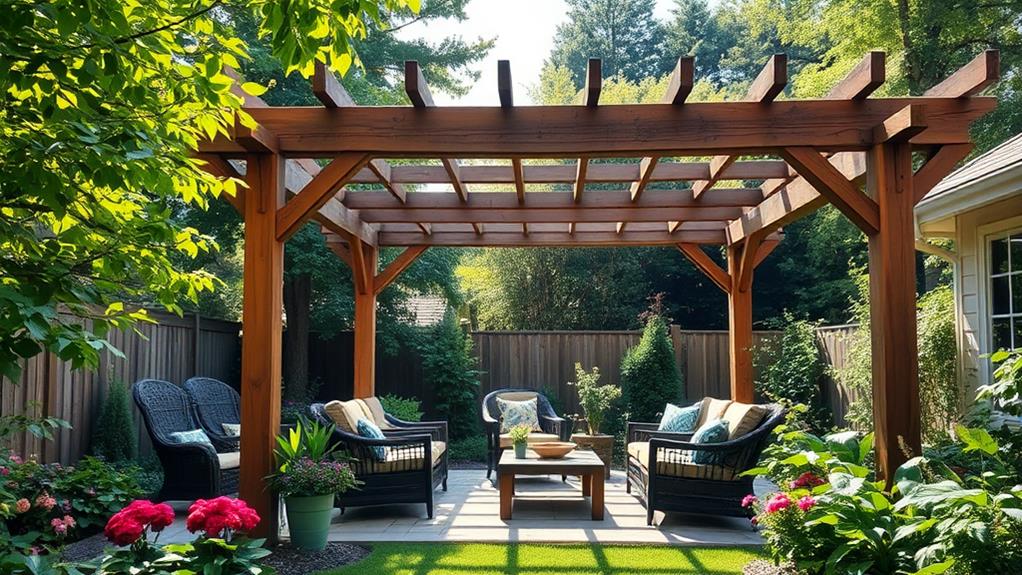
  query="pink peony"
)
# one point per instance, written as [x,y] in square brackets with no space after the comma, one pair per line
[22,506]
[778,502]
[806,503]
[749,500]
[215,516]
[4,471]
[58,526]
[128,524]
[807,479]
[45,501]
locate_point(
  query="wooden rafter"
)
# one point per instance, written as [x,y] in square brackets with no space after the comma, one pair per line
[868,75]
[505,202]
[594,82]
[770,82]
[394,268]
[516,165]
[682,81]
[705,264]
[902,126]
[971,79]
[543,237]
[505,90]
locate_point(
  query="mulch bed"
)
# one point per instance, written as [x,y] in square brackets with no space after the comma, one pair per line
[763,567]
[85,549]
[289,561]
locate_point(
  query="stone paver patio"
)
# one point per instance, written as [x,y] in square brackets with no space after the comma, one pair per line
[545,510]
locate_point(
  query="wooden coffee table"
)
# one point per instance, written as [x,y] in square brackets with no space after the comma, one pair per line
[584,463]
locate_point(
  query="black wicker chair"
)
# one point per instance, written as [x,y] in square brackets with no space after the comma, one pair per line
[216,403]
[407,475]
[674,483]
[551,423]
[190,470]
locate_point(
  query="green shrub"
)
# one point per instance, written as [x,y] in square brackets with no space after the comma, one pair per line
[595,400]
[114,438]
[448,367]
[940,390]
[790,370]
[468,449]
[649,375]
[406,409]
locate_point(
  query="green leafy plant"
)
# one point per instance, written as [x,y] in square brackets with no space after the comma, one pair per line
[305,477]
[448,367]
[649,374]
[405,409]
[790,370]
[306,440]
[519,434]
[941,391]
[594,399]
[469,449]
[114,438]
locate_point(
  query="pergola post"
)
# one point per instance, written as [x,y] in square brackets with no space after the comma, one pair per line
[364,262]
[892,307]
[739,307]
[261,341]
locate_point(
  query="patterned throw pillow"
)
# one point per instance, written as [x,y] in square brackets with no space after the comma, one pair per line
[680,419]
[232,429]
[715,431]
[368,429]
[515,413]
[191,436]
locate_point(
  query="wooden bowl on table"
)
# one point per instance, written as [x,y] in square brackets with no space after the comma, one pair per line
[552,449]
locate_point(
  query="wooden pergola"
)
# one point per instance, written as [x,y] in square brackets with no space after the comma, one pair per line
[873,158]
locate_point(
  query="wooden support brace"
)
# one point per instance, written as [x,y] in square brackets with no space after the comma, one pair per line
[937,167]
[318,192]
[222,168]
[516,166]
[832,184]
[580,178]
[394,268]
[747,263]
[705,264]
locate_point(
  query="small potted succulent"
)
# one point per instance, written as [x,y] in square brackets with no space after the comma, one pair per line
[519,435]
[595,400]
[309,476]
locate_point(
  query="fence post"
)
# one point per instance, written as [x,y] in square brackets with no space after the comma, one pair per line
[198,343]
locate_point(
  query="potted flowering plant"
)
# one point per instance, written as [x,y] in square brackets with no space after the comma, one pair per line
[308,477]
[519,436]
[595,400]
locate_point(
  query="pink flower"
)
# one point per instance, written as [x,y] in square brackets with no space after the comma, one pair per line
[128,524]
[22,506]
[754,520]
[806,503]
[749,500]
[4,471]
[17,459]
[778,502]
[45,501]
[58,526]
[215,516]
[807,479]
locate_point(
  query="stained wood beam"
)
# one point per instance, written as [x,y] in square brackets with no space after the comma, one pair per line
[382,169]
[768,84]
[789,204]
[536,201]
[394,268]
[594,82]
[833,185]
[937,167]
[973,78]
[327,89]
[537,237]
[712,128]
[902,126]
[868,75]
[581,170]
[742,282]
[682,81]
[505,90]
[739,331]
[705,264]
[337,245]
[645,172]
[317,193]
[416,87]
[766,247]
[258,139]
[576,214]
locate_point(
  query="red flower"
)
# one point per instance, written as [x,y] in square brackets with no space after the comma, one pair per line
[214,516]
[128,524]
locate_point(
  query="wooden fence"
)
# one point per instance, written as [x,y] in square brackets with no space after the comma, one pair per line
[543,360]
[167,350]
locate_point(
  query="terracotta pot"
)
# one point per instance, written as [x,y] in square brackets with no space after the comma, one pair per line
[602,444]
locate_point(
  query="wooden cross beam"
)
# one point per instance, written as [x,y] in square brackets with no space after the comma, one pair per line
[705,264]
[318,192]
[394,269]
[837,188]
[502,201]
[973,78]
[868,75]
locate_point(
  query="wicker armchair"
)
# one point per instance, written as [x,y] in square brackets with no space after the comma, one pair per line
[414,466]
[216,403]
[555,427]
[676,483]
[190,470]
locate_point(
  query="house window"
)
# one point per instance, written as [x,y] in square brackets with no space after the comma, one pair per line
[1006,291]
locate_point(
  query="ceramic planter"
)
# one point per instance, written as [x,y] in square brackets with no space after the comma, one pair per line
[520,450]
[602,444]
[308,520]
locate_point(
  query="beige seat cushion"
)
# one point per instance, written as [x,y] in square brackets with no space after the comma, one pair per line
[229,460]
[408,459]
[711,409]
[517,395]
[678,463]
[375,409]
[743,418]
[347,413]
[534,437]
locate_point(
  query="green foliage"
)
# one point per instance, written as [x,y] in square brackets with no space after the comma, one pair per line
[790,370]
[519,434]
[1001,401]
[469,449]
[40,426]
[941,392]
[594,399]
[308,439]
[649,375]
[114,438]
[103,106]
[405,409]
[448,367]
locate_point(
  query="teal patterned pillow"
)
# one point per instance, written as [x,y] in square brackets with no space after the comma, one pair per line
[680,419]
[715,431]
[515,413]
[192,436]
[368,429]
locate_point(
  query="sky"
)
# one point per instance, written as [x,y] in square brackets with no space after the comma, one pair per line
[524,30]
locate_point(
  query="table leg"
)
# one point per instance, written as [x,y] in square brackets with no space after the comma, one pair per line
[507,490]
[597,491]
[587,481]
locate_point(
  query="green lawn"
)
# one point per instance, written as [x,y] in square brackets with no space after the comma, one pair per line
[507,559]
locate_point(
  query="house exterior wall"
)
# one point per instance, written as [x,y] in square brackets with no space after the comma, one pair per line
[973,231]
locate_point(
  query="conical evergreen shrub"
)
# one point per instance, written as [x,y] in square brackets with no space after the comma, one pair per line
[114,438]
[649,375]
[448,367]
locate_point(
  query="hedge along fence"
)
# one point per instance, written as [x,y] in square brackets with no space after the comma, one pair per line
[167,350]
[538,360]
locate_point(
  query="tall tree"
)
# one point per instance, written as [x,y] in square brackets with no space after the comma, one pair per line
[624,33]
